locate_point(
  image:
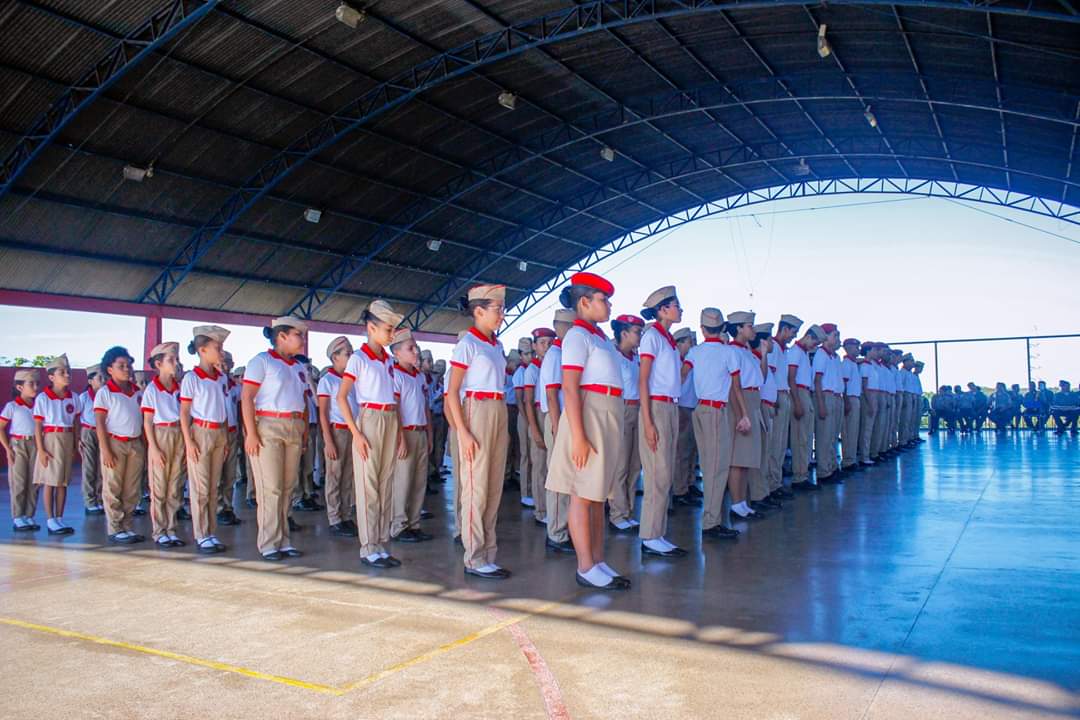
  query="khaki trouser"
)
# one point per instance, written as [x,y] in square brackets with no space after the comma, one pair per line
[513,452]
[374,479]
[903,435]
[275,469]
[229,471]
[712,431]
[338,479]
[824,441]
[204,476]
[482,480]
[121,486]
[524,457]
[849,434]
[799,434]
[757,483]
[91,467]
[166,490]
[778,442]
[557,503]
[894,419]
[455,472]
[305,482]
[21,478]
[659,469]
[686,453]
[438,443]
[621,502]
[539,463]
[866,424]
[881,422]
[410,482]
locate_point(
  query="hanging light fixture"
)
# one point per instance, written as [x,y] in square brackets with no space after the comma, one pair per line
[824,49]
[870,117]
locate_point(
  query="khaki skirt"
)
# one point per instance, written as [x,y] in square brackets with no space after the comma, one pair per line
[746,449]
[602,417]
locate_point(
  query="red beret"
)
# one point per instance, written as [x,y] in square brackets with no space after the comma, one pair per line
[594,281]
[543,332]
[630,320]
[828,327]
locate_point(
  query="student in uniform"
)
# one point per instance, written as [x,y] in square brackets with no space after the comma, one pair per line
[231,472]
[586,454]
[438,419]
[828,402]
[800,380]
[17,436]
[658,429]
[477,366]
[762,496]
[531,392]
[303,497]
[377,435]
[786,330]
[338,484]
[916,416]
[746,436]
[870,402]
[714,367]
[627,330]
[409,486]
[118,417]
[885,406]
[683,489]
[88,445]
[853,385]
[454,447]
[56,416]
[164,443]
[513,454]
[204,421]
[525,470]
[551,412]
[275,422]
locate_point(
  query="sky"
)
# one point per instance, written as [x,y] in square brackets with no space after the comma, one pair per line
[888,268]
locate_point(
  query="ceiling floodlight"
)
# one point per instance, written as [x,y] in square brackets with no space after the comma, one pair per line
[522,265]
[508,100]
[870,117]
[802,168]
[138,174]
[607,153]
[348,15]
[434,245]
[312,215]
[824,49]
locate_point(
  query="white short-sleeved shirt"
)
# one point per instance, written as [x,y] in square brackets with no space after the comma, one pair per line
[827,365]
[687,395]
[86,402]
[281,386]
[517,380]
[373,376]
[208,395]
[796,355]
[483,361]
[587,349]
[916,384]
[750,376]
[777,362]
[769,390]
[888,379]
[852,375]
[550,375]
[898,379]
[329,385]
[868,370]
[410,392]
[57,410]
[18,416]
[532,380]
[630,366]
[122,410]
[161,402]
[714,364]
[511,399]
[665,378]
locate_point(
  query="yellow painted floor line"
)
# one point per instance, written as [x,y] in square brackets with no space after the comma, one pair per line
[281,679]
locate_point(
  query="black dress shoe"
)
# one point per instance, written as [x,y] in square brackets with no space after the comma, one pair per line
[675,552]
[405,536]
[25,528]
[95,511]
[760,507]
[612,527]
[426,515]
[251,503]
[342,530]
[127,540]
[424,536]
[752,517]
[785,493]
[292,553]
[294,526]
[431,490]
[687,500]
[62,531]
[228,517]
[694,492]
[720,532]
[639,493]
[561,547]
[139,510]
[177,543]
[500,574]
[393,561]
[617,583]
[379,562]
[273,556]
[209,549]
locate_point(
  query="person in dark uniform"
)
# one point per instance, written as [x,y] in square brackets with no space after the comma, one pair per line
[1001,408]
[1017,405]
[964,408]
[980,404]
[1065,408]
[943,410]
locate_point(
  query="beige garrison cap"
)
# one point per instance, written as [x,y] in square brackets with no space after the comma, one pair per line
[763,328]
[24,375]
[712,317]
[290,321]
[818,332]
[336,345]
[740,318]
[214,332]
[659,295]
[401,335]
[794,320]
[487,292]
[565,315]
[383,311]
[165,347]
[60,361]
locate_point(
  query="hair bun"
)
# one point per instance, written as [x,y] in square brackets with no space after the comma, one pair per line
[268,333]
[649,313]
[463,304]
[565,300]
[191,347]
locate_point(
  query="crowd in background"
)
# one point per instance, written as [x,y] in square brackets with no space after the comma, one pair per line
[1005,408]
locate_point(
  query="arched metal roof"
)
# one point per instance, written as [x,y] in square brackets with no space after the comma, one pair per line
[249,112]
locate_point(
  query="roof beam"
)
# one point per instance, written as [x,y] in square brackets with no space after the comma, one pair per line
[1072,152]
[997,89]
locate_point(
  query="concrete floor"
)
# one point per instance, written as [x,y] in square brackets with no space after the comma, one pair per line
[942,584]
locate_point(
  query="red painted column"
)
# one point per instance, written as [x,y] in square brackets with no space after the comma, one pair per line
[151,336]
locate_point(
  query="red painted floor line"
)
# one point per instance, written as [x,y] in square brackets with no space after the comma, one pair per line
[549,686]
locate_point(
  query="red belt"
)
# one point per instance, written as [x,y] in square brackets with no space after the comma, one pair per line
[89,427]
[13,436]
[662,398]
[804,387]
[232,428]
[55,429]
[754,388]
[414,427]
[378,406]
[632,402]
[769,403]
[781,390]
[340,426]
[123,438]
[603,390]
[712,403]
[172,424]
[272,414]
[208,425]
[479,395]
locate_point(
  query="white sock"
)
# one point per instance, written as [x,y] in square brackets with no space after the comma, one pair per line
[622,524]
[287,548]
[174,538]
[163,540]
[607,568]
[596,576]
[384,555]
[205,542]
[658,544]
[373,557]
[21,522]
[54,524]
[213,539]
[741,509]
[633,522]
[489,568]
[528,501]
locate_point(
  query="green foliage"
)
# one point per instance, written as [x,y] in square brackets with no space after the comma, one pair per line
[36,361]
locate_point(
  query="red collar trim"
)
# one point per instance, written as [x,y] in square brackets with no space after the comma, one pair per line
[116,388]
[589,327]
[801,346]
[411,373]
[736,343]
[175,388]
[366,349]
[91,392]
[53,396]
[482,337]
[274,354]
[20,401]
[535,362]
[628,356]
[509,371]
[715,340]
[757,353]
[334,372]
[207,376]
[557,343]
[782,345]
[828,352]
[665,334]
